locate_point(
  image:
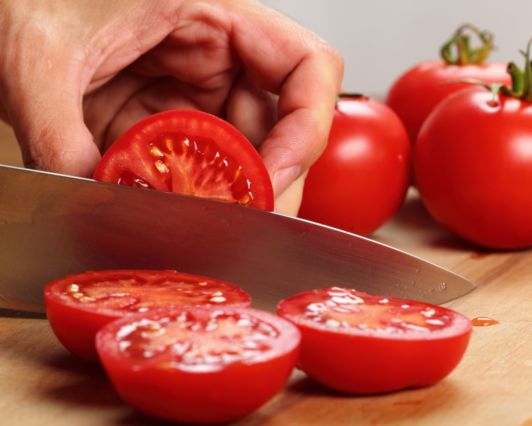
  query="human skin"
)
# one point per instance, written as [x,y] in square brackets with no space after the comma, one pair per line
[75,74]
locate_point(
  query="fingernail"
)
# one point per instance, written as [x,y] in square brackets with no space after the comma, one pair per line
[284,177]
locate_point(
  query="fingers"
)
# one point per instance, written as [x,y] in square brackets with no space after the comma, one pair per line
[130,98]
[42,102]
[50,130]
[290,200]
[251,110]
[282,57]
[277,56]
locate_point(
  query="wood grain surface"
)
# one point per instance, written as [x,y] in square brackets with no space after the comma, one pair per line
[41,384]
[9,152]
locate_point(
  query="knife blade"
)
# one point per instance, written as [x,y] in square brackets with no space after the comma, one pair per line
[52,225]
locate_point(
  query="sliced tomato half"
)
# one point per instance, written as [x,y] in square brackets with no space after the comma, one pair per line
[359,343]
[198,365]
[77,306]
[189,152]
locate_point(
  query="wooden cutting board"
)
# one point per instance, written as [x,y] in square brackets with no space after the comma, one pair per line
[41,384]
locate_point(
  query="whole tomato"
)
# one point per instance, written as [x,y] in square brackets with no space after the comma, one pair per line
[473,163]
[361,178]
[415,94]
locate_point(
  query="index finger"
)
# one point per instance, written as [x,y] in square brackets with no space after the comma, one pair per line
[282,57]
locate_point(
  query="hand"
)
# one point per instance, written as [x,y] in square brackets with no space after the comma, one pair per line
[75,75]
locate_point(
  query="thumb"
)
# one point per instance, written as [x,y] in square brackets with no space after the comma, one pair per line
[43,103]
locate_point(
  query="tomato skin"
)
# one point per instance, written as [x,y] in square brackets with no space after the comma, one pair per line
[75,328]
[417,92]
[473,165]
[220,395]
[237,159]
[361,178]
[364,363]
[76,325]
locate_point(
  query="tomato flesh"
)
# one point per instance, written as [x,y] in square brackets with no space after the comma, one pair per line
[199,365]
[78,305]
[359,343]
[346,310]
[198,343]
[189,152]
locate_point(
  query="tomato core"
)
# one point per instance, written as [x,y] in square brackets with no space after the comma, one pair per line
[346,309]
[135,292]
[197,341]
[194,167]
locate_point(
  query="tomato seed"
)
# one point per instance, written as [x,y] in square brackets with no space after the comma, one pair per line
[163,168]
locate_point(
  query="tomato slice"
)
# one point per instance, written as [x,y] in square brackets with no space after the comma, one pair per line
[77,306]
[359,343]
[197,364]
[189,152]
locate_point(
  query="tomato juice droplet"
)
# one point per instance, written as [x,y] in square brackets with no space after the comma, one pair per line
[483,322]
[129,179]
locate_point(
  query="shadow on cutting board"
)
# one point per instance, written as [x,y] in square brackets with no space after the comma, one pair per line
[412,218]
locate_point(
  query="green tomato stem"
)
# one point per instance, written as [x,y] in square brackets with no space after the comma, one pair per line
[521,79]
[458,51]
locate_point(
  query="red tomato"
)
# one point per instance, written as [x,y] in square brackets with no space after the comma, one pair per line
[415,94]
[77,306]
[473,166]
[189,152]
[361,178]
[357,343]
[199,365]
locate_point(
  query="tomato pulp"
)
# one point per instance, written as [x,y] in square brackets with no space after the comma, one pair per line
[189,152]
[359,343]
[361,179]
[77,306]
[199,365]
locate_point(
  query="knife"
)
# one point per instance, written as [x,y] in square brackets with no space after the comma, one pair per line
[52,225]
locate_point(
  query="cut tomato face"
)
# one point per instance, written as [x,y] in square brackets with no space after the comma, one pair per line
[359,343]
[77,306]
[189,152]
[197,364]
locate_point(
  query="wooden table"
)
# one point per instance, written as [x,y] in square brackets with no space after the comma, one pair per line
[41,384]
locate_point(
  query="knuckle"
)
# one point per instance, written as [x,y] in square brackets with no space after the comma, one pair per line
[331,55]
